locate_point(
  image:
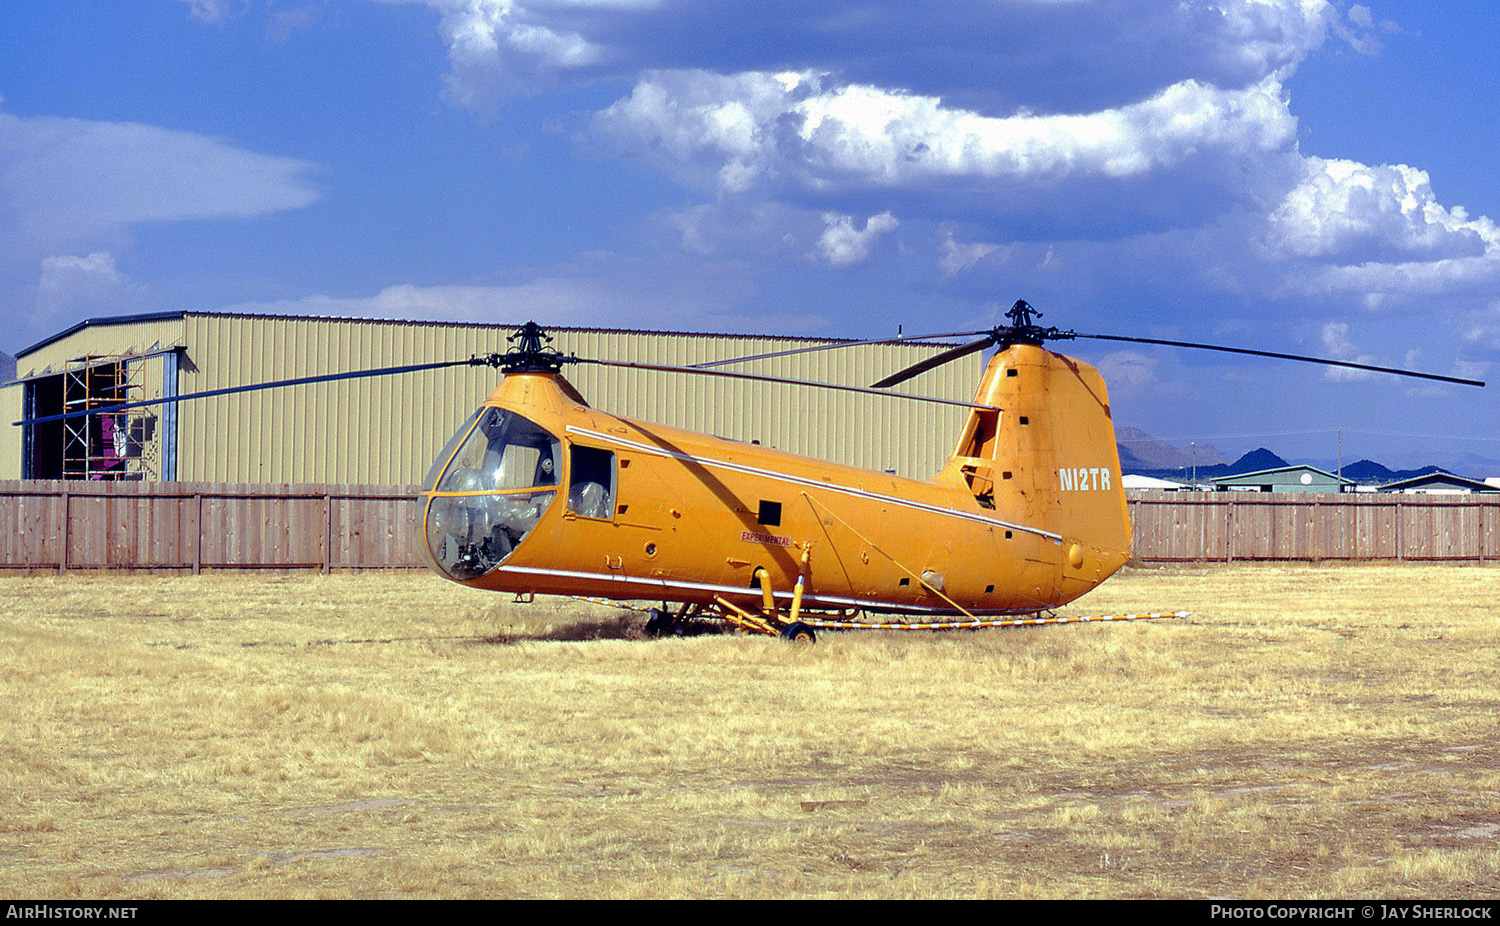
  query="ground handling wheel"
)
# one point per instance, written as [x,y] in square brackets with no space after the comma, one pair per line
[798,633]
[661,623]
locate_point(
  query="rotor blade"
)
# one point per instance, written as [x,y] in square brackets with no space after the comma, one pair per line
[253,387]
[803,350]
[1278,356]
[936,360]
[778,379]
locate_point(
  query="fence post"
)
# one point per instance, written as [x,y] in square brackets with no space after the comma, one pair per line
[1317,532]
[1344,511]
[1400,516]
[327,533]
[1479,507]
[62,554]
[1229,529]
[197,533]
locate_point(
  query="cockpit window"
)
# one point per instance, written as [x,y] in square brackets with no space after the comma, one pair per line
[506,469]
[504,451]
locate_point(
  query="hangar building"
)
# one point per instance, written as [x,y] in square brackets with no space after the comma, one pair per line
[387,430]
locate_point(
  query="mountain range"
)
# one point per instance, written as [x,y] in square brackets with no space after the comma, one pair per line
[1144,455]
[1140,453]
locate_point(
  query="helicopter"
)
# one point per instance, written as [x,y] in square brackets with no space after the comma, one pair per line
[539,493]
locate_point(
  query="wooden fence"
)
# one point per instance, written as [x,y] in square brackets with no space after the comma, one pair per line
[185,526]
[193,526]
[1239,526]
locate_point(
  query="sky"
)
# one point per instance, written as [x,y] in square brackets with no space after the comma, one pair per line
[1305,176]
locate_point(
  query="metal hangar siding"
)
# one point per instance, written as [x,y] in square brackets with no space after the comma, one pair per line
[387,430]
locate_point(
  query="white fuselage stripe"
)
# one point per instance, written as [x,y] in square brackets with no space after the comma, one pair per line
[812,484]
[721,589]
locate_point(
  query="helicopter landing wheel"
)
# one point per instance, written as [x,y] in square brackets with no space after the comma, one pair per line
[798,633]
[661,623]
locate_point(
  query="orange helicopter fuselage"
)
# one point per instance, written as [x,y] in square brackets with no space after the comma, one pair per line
[1027,514]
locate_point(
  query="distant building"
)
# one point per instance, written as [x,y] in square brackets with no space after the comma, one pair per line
[1439,484]
[1299,478]
[1150,483]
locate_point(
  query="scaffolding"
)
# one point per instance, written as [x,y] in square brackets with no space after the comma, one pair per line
[109,444]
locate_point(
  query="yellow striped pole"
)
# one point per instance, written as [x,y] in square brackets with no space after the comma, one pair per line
[978,623]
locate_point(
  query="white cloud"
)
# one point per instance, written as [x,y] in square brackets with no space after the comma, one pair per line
[549,300]
[843,245]
[64,181]
[74,286]
[210,11]
[1335,339]
[1359,28]
[958,257]
[1378,283]
[554,301]
[804,129]
[1378,234]
[1351,213]
[1484,328]
[501,47]
[598,289]
[1268,35]
[1360,15]
[740,227]
[1127,370]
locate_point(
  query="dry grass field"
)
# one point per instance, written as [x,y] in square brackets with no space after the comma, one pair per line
[1308,732]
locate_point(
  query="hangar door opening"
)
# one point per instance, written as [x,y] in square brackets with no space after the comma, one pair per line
[128,444]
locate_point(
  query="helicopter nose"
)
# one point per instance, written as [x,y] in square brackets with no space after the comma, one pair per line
[465,536]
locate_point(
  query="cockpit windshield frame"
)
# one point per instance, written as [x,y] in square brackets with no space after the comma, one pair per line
[498,476]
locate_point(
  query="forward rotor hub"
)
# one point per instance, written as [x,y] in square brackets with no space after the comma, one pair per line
[529,355]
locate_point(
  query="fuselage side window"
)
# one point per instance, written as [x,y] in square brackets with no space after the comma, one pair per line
[591,484]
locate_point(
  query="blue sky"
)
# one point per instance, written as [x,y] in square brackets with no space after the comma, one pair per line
[1293,175]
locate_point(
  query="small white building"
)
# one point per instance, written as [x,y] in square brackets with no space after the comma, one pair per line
[1439,484]
[1152,484]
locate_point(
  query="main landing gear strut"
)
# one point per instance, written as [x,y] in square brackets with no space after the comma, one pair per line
[770,621]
